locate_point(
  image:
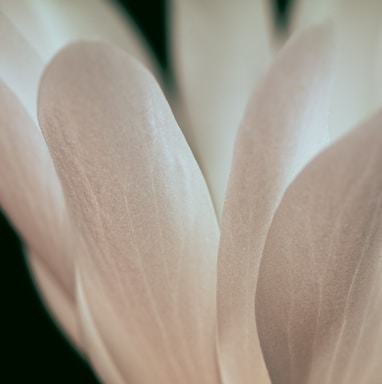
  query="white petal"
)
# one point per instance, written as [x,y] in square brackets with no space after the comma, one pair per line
[221,49]
[319,293]
[284,126]
[20,66]
[148,263]
[51,24]
[356,24]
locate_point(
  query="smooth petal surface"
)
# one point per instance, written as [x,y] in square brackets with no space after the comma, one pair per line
[318,301]
[220,49]
[32,198]
[148,264]
[284,126]
[51,24]
[20,66]
[61,305]
[357,89]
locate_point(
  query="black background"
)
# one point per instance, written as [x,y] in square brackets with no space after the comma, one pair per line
[33,350]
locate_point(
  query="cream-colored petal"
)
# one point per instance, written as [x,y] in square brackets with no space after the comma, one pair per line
[356,24]
[284,126]
[30,192]
[20,66]
[148,265]
[319,293]
[50,24]
[61,305]
[221,49]
[93,342]
[308,12]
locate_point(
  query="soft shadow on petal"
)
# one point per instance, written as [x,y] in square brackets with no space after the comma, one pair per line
[221,49]
[60,303]
[357,24]
[318,301]
[20,66]
[148,270]
[50,24]
[285,125]
[31,196]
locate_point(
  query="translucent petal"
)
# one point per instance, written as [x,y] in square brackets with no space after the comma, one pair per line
[32,198]
[221,49]
[50,24]
[140,203]
[357,88]
[319,293]
[20,66]
[284,126]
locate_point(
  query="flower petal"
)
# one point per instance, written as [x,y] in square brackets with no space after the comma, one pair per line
[51,24]
[284,126]
[20,66]
[356,24]
[148,263]
[221,49]
[318,301]
[58,301]
[32,198]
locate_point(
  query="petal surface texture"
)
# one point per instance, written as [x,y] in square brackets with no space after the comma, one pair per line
[220,49]
[285,125]
[148,266]
[357,90]
[319,293]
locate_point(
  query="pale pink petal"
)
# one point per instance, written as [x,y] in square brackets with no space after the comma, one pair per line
[20,66]
[356,25]
[50,24]
[31,194]
[148,261]
[284,126]
[221,49]
[319,293]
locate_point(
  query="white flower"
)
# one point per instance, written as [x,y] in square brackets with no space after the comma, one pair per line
[282,283]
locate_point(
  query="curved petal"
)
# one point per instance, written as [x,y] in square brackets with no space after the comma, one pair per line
[20,66]
[51,24]
[62,305]
[318,301]
[220,49]
[357,24]
[30,192]
[284,126]
[148,263]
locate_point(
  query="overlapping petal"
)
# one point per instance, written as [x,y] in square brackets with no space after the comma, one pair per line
[318,301]
[31,195]
[20,65]
[220,53]
[50,24]
[147,266]
[285,125]
[357,25]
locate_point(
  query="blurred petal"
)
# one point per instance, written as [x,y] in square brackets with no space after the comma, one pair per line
[221,49]
[357,24]
[32,198]
[148,264]
[285,125]
[309,12]
[58,301]
[20,66]
[319,293]
[51,24]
